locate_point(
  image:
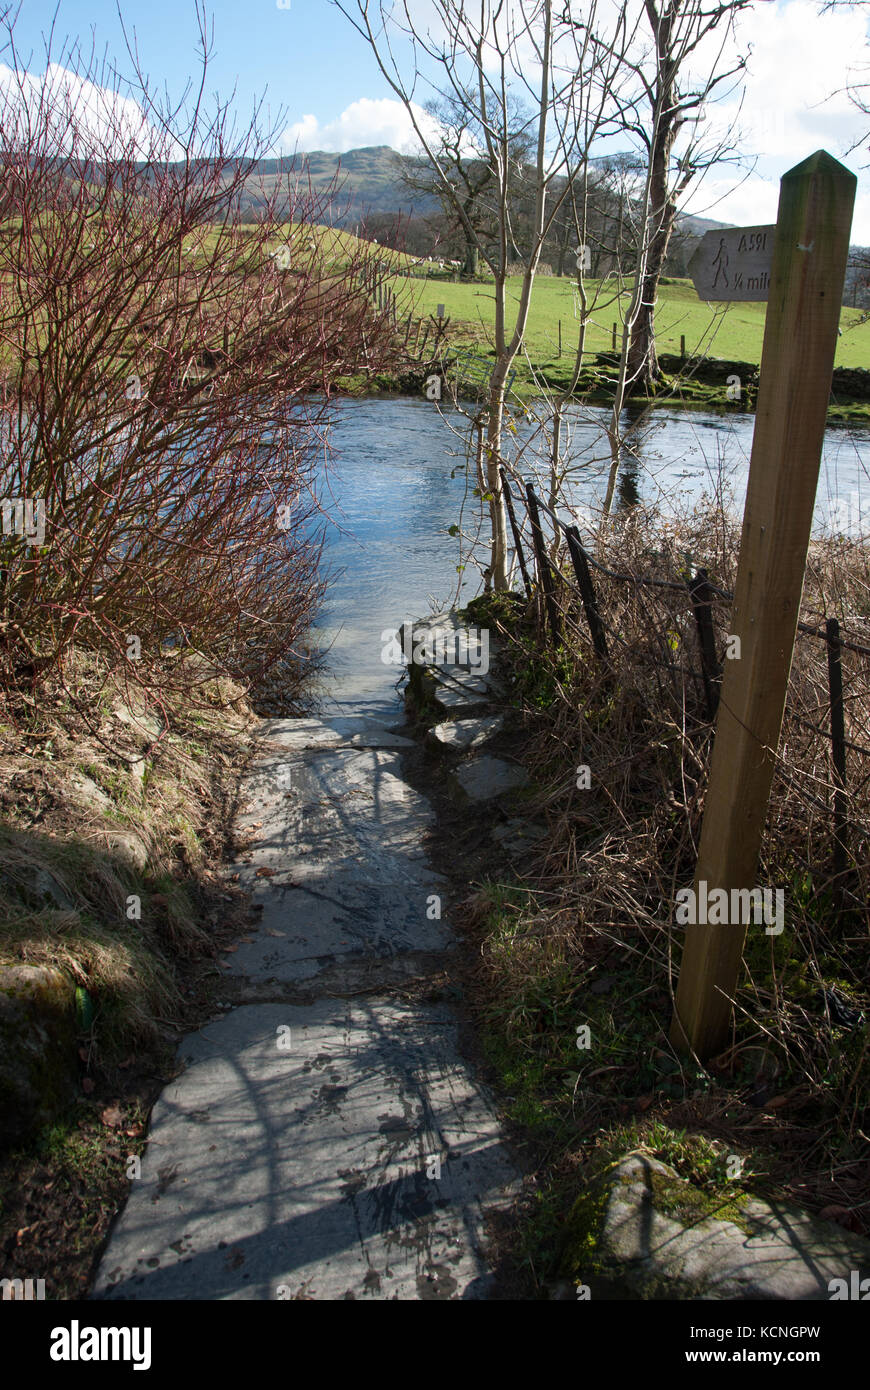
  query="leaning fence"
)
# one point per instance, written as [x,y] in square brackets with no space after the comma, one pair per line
[559,597]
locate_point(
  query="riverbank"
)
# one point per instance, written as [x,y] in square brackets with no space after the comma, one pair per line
[727,387]
[116,818]
[576,931]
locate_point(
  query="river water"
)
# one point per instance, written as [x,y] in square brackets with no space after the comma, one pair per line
[396,483]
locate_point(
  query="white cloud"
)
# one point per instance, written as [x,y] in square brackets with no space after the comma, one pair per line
[368,121]
[793,104]
[793,101]
[75,111]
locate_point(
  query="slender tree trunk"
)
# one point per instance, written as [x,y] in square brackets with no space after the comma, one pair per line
[643,363]
[498,576]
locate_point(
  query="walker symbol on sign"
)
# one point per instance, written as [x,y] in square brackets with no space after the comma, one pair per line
[733,263]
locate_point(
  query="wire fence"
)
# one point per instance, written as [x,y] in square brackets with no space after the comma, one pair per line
[549,583]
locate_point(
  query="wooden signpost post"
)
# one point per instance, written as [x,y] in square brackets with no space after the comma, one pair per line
[799,267]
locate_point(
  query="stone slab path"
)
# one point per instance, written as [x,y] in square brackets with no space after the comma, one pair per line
[318,1146]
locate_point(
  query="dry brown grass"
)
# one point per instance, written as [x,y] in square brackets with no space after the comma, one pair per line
[587,933]
[104,799]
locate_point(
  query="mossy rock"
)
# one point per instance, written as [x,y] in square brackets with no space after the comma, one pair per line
[642,1232]
[38,1066]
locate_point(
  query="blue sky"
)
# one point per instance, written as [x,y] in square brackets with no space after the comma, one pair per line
[306,55]
[320,72]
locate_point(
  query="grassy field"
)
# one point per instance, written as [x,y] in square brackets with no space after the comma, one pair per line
[732,331]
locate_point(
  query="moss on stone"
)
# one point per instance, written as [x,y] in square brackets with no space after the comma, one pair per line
[584,1256]
[690,1206]
[37,1046]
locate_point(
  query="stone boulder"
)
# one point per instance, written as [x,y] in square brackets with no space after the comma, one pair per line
[38,1066]
[642,1232]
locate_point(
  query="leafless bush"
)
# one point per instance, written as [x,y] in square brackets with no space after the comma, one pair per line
[165,379]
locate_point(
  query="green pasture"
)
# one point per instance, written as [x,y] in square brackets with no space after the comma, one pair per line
[731,331]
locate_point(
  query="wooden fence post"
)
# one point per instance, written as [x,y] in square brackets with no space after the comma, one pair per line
[701,594]
[800,335]
[545,577]
[587,592]
[838,742]
[518,544]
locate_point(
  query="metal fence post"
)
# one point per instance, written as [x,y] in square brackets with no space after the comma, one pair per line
[508,498]
[701,595]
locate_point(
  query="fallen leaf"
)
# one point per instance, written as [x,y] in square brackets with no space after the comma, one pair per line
[775,1102]
[230,948]
[112,1116]
[87,1085]
[265,873]
[644,1102]
[270,931]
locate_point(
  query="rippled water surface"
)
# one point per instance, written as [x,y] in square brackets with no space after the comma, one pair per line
[393,498]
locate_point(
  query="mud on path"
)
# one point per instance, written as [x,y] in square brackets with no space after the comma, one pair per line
[327,1138]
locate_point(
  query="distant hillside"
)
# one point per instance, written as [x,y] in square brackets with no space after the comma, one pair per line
[370,185]
[368,181]
[697,226]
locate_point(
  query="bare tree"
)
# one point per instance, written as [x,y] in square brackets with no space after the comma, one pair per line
[491,56]
[665,100]
[472,199]
[165,372]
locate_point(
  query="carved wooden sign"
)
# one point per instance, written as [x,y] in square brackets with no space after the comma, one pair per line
[733,263]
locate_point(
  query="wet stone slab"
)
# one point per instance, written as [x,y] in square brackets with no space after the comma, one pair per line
[486,778]
[336,862]
[660,1237]
[287,1164]
[465,733]
[518,837]
[337,731]
[321,1147]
